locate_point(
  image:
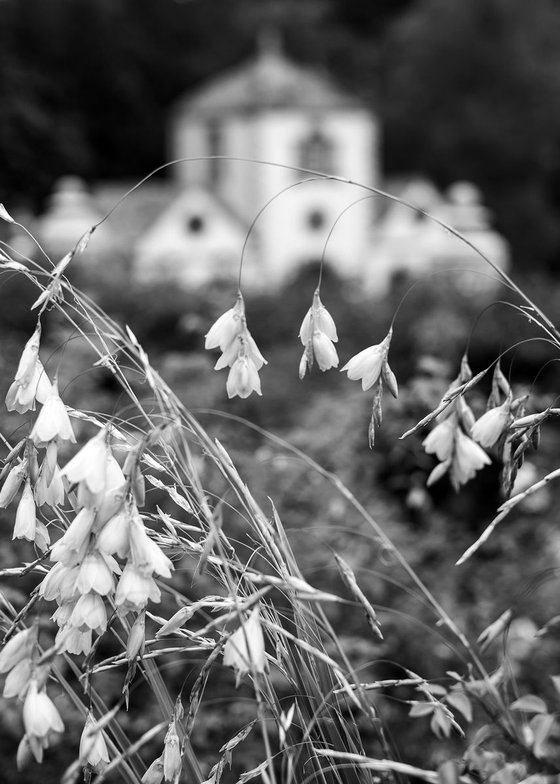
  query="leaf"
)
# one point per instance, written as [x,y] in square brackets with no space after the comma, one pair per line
[530,703]
[460,701]
[541,726]
[422,708]
[441,722]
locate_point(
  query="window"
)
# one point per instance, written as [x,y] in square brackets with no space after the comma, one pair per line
[316,219]
[215,147]
[195,224]
[316,153]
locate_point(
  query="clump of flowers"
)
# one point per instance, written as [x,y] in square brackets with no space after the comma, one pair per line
[239,351]
[450,441]
[371,367]
[318,336]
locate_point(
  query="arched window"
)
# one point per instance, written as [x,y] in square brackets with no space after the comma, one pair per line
[316,153]
[215,147]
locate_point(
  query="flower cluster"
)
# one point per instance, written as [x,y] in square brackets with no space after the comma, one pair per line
[239,351]
[318,336]
[450,440]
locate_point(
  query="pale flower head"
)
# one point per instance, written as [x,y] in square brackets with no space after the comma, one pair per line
[144,552]
[244,650]
[371,365]
[317,319]
[135,589]
[490,427]
[89,465]
[243,378]
[18,648]
[318,335]
[73,640]
[224,331]
[26,521]
[53,421]
[468,458]
[93,749]
[324,351]
[441,440]
[21,397]
[73,544]
[89,613]
[40,717]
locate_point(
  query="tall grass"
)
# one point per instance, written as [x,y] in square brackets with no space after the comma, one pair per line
[208,578]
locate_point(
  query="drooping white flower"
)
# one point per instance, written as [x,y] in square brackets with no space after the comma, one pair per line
[89,465]
[243,378]
[95,574]
[12,483]
[114,537]
[93,749]
[371,365]
[17,649]
[21,396]
[135,589]
[74,640]
[244,650]
[468,458]
[53,422]
[441,440]
[17,679]
[489,428]
[89,613]
[26,521]
[318,335]
[144,552]
[73,544]
[172,754]
[224,331]
[40,718]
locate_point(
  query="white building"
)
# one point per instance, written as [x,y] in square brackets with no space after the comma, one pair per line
[220,206]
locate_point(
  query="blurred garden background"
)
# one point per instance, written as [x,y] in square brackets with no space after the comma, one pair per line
[463,92]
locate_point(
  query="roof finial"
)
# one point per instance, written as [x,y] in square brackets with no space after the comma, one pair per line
[269,40]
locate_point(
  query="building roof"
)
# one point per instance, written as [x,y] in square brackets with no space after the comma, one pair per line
[268,81]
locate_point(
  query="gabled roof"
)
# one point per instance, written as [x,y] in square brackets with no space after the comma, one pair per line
[268,81]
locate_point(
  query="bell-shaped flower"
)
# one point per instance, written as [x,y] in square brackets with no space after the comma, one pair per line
[172,754]
[59,583]
[18,648]
[244,650]
[243,378]
[144,552]
[317,319]
[371,365]
[26,520]
[89,465]
[89,612]
[224,331]
[318,335]
[95,574]
[113,496]
[73,640]
[73,544]
[17,679]
[12,483]
[441,440]
[492,425]
[40,717]
[114,537]
[21,396]
[134,590]
[53,422]
[50,493]
[468,458]
[30,353]
[93,749]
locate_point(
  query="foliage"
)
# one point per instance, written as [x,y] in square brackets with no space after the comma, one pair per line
[167,548]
